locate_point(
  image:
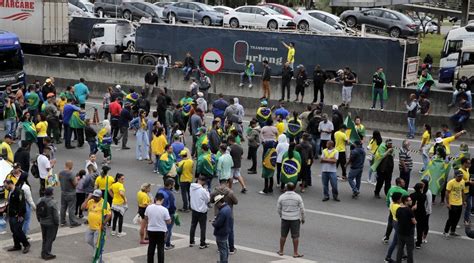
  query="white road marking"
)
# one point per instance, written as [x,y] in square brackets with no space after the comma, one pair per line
[63,231]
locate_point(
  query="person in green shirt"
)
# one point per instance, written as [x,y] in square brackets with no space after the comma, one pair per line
[10,116]
[360,128]
[206,165]
[397,188]
[33,101]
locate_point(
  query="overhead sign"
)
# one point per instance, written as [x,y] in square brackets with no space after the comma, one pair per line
[212,60]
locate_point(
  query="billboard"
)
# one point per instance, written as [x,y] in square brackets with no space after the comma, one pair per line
[362,55]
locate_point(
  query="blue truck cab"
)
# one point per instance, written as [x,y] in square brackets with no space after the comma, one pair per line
[11,62]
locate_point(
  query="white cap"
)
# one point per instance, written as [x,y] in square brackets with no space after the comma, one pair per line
[118,86]
[334,107]
[439,140]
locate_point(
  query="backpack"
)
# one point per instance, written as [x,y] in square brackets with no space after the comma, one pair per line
[203,83]
[42,209]
[142,103]
[34,169]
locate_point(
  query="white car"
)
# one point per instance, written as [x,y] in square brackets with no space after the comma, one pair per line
[318,21]
[257,16]
[430,27]
[222,9]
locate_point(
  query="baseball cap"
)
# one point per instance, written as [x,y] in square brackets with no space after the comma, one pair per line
[457,173]
[200,94]
[97,193]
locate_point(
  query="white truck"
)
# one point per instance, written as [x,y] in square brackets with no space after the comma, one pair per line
[465,64]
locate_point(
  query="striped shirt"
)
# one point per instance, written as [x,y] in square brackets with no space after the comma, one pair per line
[405,157]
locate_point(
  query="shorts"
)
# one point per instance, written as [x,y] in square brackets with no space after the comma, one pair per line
[293,225]
[299,90]
[235,173]
[141,212]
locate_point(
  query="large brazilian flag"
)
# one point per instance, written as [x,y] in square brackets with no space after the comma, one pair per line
[437,173]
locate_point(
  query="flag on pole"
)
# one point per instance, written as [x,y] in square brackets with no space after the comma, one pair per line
[101,242]
[351,131]
[437,172]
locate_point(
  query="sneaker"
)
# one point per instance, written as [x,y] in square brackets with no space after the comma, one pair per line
[154,171]
[232,252]
[250,86]
[243,191]
[385,240]
[454,234]
[171,246]
[389,260]
[262,192]
[252,172]
[191,244]
[425,241]
[234,181]
[203,246]
[140,158]
[113,233]
[372,108]
[122,234]
[381,109]
[445,235]
[418,246]
[241,84]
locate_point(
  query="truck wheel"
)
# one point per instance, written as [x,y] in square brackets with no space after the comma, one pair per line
[127,15]
[272,25]
[234,23]
[206,21]
[106,57]
[148,60]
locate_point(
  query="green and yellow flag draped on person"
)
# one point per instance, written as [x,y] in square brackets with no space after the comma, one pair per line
[351,131]
[436,173]
[269,162]
[385,90]
[101,242]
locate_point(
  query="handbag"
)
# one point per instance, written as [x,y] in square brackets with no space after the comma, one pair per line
[137,219]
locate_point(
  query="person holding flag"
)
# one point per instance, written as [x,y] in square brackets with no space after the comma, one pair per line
[206,165]
[379,88]
[294,129]
[264,113]
[268,167]
[290,166]
[99,214]
[383,164]
[167,164]
[437,173]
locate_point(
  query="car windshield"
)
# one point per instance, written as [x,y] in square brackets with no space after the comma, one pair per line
[10,60]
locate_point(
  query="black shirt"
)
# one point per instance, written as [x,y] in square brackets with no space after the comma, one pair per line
[16,203]
[405,225]
[463,85]
[379,83]
[348,80]
[319,77]
[286,74]
[151,78]
[236,152]
[22,156]
[419,199]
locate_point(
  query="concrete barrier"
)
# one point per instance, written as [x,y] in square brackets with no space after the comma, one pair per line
[100,75]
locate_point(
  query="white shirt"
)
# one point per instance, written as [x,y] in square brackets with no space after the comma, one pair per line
[323,127]
[157,216]
[329,167]
[43,166]
[29,199]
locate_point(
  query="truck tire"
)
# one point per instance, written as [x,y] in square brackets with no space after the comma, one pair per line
[148,60]
[127,15]
[105,56]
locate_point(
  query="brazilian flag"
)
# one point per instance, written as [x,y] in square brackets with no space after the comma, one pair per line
[206,164]
[187,103]
[457,161]
[290,168]
[269,163]
[294,128]
[378,156]
[263,114]
[30,131]
[437,173]
[101,242]
[77,120]
[385,91]
[351,131]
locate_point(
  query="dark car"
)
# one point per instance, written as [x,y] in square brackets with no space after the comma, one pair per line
[192,11]
[108,7]
[137,10]
[394,23]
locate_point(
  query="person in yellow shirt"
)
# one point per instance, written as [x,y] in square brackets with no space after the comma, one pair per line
[41,130]
[143,200]
[119,204]
[93,204]
[340,137]
[104,179]
[291,53]
[280,125]
[425,146]
[394,205]
[185,170]
[158,146]
[446,142]
[5,149]
[454,202]
[61,102]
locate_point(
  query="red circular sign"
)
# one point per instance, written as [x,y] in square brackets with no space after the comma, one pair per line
[212,60]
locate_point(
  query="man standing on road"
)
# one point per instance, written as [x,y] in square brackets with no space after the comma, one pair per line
[81,91]
[291,210]
[68,111]
[328,169]
[124,123]
[157,218]
[326,128]
[93,204]
[230,199]
[195,123]
[169,202]
[236,152]
[199,200]
[399,187]
[151,81]
[406,229]
[48,217]
[68,184]
[115,109]
[454,202]
[406,163]
[341,141]
[16,214]
[356,162]
[221,225]
[266,75]
[44,166]
[384,166]
[286,75]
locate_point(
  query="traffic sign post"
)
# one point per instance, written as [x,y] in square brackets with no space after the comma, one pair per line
[212,60]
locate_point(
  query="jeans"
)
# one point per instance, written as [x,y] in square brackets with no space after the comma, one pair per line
[117,217]
[170,231]
[354,179]
[124,136]
[379,93]
[346,94]
[411,127]
[253,157]
[394,242]
[201,218]
[156,240]
[285,85]
[426,159]
[27,220]
[456,93]
[332,178]
[467,210]
[371,173]
[231,234]
[389,228]
[10,125]
[80,198]
[163,73]
[143,145]
[92,147]
[453,219]
[187,71]
[406,177]
[67,135]
[80,136]
[185,194]
[223,249]
[407,241]
[48,233]
[316,142]
[92,236]
[244,76]
[68,202]
[114,125]
[157,163]
[278,167]
[19,237]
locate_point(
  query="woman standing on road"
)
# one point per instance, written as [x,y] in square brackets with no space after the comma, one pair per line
[374,144]
[425,146]
[119,204]
[143,200]
[143,141]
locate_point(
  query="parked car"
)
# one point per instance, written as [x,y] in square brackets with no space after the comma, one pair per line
[108,7]
[84,5]
[281,9]
[137,10]
[257,16]
[319,21]
[394,23]
[430,27]
[76,11]
[222,9]
[161,6]
[193,11]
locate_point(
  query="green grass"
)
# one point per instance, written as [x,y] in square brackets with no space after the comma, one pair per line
[432,44]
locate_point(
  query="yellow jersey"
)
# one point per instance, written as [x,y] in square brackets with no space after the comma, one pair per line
[116,188]
[143,199]
[465,177]
[158,144]
[456,191]
[4,146]
[291,55]
[94,215]
[341,140]
[42,128]
[186,167]
[100,182]
[393,210]
[425,138]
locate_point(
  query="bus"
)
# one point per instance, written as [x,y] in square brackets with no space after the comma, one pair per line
[11,61]
[454,41]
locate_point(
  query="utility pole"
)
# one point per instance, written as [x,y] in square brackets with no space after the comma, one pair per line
[465,12]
